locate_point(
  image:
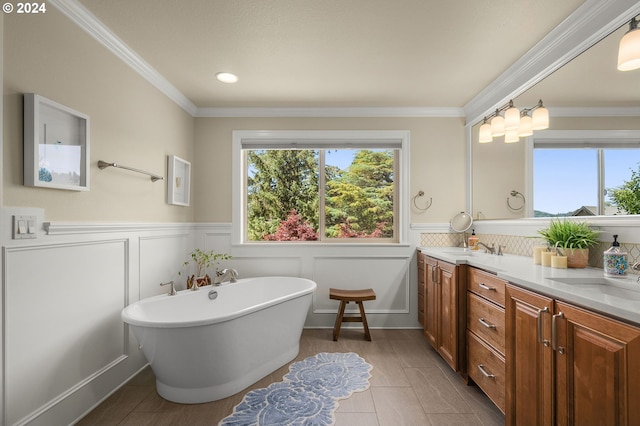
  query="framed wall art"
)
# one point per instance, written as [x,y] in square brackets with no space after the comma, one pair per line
[179,182]
[56,145]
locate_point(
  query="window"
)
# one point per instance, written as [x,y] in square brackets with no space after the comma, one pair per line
[584,177]
[319,186]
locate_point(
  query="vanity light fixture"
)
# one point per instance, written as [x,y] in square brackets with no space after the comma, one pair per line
[629,48]
[515,124]
[485,132]
[526,125]
[227,77]
[497,125]
[511,117]
[540,117]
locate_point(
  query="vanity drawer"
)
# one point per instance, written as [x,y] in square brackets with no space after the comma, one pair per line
[487,369]
[487,320]
[487,285]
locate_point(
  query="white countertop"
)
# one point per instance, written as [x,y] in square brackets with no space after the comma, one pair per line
[588,287]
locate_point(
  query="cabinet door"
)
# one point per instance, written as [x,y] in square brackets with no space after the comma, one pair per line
[431,296]
[422,275]
[597,369]
[529,358]
[448,330]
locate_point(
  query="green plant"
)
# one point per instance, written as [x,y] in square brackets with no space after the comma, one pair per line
[204,260]
[569,234]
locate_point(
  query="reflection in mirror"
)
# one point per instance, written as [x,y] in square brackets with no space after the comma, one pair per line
[588,93]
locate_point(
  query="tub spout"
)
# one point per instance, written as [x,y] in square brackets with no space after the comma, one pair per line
[226,274]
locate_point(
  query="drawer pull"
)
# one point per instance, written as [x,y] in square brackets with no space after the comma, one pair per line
[484,372]
[486,287]
[486,324]
[545,342]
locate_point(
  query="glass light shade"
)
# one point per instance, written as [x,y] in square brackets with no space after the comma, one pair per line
[511,136]
[526,126]
[629,50]
[540,118]
[497,126]
[512,119]
[485,133]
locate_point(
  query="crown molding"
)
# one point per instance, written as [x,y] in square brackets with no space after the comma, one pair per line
[94,27]
[592,21]
[447,112]
[594,111]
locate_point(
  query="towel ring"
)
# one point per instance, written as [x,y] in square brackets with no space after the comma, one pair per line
[517,194]
[422,209]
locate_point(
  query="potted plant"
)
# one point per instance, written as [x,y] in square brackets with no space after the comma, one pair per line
[571,237]
[203,261]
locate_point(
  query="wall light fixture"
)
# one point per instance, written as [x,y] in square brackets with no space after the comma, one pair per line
[515,124]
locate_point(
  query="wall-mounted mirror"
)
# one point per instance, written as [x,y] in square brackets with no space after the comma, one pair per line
[587,93]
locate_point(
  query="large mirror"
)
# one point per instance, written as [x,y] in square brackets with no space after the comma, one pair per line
[587,94]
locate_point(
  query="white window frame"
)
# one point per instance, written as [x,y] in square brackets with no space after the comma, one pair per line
[317,138]
[577,139]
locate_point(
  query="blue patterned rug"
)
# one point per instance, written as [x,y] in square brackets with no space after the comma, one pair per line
[308,394]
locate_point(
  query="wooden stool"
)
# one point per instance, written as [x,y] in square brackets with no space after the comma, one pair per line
[346,296]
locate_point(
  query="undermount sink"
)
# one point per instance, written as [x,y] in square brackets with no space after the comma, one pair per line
[610,288]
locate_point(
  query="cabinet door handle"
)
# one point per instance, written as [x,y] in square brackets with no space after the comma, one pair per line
[486,287]
[484,372]
[545,342]
[486,324]
[554,334]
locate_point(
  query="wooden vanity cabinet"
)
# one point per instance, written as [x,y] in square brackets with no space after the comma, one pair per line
[421,285]
[569,366]
[486,334]
[444,310]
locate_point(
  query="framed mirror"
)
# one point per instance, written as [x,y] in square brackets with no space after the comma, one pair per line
[587,94]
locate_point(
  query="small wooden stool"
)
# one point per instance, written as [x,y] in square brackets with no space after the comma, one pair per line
[346,296]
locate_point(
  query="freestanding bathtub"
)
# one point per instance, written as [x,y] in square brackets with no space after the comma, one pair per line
[203,348]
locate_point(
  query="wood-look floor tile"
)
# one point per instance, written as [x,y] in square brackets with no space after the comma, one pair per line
[396,406]
[435,392]
[358,402]
[356,419]
[454,420]
[410,385]
[414,354]
[387,370]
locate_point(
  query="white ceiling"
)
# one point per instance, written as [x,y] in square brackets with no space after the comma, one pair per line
[331,53]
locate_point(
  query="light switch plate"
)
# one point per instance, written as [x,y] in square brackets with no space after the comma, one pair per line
[25,227]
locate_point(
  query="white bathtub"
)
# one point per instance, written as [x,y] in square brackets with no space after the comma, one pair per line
[203,350]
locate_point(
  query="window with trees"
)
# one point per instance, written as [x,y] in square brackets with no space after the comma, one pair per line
[326,189]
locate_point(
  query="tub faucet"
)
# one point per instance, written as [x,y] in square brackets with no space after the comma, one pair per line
[488,249]
[224,275]
[172,291]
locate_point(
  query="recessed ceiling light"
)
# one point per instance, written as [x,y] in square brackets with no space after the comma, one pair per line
[226,77]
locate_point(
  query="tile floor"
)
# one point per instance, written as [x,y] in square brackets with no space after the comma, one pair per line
[411,385]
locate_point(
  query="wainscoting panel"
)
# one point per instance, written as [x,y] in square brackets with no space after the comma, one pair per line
[257,266]
[62,320]
[388,276]
[161,259]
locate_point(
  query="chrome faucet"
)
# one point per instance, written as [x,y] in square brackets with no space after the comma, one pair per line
[488,249]
[224,275]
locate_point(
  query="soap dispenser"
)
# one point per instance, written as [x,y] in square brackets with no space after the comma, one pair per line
[615,260]
[473,240]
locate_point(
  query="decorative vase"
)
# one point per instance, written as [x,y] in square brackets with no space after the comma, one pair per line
[577,258]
